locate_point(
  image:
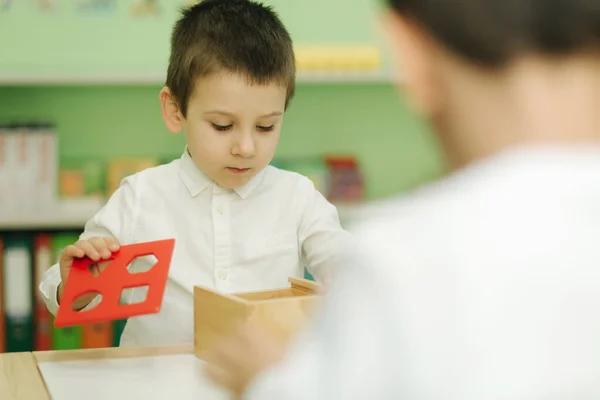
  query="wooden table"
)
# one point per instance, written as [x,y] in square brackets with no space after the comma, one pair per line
[112,373]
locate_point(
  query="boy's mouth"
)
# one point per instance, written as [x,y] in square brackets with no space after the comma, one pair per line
[238,170]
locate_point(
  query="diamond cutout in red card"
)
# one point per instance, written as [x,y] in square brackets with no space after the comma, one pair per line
[112,281]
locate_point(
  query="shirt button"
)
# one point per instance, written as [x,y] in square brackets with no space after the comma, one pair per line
[223,274]
[220,209]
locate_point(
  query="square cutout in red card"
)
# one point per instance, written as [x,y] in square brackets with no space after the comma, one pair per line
[112,281]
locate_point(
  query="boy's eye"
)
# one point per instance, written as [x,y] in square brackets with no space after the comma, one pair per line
[221,128]
[266,128]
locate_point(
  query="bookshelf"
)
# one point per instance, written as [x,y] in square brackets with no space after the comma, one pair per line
[75,219]
[66,215]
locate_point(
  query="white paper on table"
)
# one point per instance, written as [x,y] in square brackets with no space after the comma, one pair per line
[178,377]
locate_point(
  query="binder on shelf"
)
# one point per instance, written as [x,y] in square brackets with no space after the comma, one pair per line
[42,251]
[2,328]
[118,328]
[68,338]
[18,296]
[97,335]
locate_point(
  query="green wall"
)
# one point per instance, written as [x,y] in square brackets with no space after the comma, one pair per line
[371,121]
[68,41]
[99,122]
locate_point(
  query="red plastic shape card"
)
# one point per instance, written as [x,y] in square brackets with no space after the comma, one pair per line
[112,281]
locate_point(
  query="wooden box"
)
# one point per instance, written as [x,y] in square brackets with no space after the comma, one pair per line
[283,312]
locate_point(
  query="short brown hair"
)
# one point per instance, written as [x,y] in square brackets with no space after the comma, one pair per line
[494,32]
[239,36]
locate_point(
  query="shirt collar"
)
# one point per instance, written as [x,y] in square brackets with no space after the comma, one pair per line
[249,187]
[196,181]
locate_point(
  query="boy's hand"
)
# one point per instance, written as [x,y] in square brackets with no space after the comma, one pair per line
[97,249]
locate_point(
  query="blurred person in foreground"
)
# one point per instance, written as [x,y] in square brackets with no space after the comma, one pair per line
[485,284]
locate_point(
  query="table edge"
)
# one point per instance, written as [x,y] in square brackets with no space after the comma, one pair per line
[111,352]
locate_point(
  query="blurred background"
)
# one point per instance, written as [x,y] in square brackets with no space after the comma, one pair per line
[79,110]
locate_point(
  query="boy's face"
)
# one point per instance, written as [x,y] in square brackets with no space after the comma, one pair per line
[232,127]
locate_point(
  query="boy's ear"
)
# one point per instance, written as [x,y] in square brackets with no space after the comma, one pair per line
[170,111]
[414,54]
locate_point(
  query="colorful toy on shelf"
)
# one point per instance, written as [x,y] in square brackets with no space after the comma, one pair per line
[346,183]
[112,281]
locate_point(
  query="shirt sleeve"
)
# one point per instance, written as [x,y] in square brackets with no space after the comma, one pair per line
[116,219]
[323,240]
[340,355]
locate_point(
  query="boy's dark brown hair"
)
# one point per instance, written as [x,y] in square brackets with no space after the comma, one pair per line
[494,32]
[238,36]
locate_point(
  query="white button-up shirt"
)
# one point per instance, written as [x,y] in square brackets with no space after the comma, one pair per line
[484,286]
[251,238]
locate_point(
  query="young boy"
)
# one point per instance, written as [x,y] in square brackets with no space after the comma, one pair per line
[485,285]
[239,224]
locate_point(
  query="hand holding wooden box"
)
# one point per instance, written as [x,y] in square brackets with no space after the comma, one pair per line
[282,312]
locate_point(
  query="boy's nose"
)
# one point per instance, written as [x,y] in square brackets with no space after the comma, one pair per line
[244,146]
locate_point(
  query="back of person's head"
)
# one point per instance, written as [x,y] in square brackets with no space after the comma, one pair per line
[234,36]
[494,32]
[494,74]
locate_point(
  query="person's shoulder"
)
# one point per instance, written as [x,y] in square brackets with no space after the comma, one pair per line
[446,197]
[409,225]
[390,215]
[435,217]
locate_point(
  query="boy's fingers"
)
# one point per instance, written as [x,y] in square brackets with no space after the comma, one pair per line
[89,249]
[71,252]
[112,244]
[101,247]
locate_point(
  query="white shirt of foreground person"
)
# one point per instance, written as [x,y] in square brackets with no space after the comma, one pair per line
[484,286]
[252,238]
